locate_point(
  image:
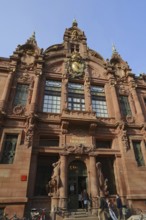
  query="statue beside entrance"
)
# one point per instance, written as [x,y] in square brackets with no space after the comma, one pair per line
[101,181]
[54,184]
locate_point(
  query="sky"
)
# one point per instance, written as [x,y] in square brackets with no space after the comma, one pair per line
[105,22]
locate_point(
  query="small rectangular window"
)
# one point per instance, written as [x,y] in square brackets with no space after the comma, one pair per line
[124,105]
[46,141]
[138,153]
[9,148]
[103,144]
[21,95]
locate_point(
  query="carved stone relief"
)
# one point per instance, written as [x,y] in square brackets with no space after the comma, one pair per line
[18,110]
[78,149]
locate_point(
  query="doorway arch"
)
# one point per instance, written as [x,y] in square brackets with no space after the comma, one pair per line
[77,182]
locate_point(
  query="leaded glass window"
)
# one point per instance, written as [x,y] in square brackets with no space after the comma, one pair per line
[125,107]
[138,153]
[98,101]
[21,94]
[9,149]
[76,99]
[52,96]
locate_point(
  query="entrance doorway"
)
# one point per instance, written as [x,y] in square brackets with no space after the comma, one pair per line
[77,182]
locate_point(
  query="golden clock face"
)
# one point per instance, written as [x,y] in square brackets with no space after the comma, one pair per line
[77,67]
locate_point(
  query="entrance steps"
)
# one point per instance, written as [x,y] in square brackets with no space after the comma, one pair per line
[80,214]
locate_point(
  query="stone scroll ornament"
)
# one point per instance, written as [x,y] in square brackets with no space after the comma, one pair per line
[101,181]
[75,65]
[78,149]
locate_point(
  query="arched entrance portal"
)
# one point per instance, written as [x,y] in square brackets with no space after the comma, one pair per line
[77,182]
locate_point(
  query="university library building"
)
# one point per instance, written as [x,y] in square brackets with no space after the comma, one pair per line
[70,121]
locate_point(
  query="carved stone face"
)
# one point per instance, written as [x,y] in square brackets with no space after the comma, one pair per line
[27,59]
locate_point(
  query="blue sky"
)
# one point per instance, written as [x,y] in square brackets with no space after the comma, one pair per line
[122,22]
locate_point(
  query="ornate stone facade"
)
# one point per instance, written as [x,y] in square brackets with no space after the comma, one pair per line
[51,150]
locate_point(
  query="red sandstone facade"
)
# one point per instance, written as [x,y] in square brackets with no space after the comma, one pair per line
[68,105]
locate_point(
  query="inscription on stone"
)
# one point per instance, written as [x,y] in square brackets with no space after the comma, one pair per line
[77,140]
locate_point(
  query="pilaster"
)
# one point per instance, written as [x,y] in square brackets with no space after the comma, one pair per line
[94,183]
[63,180]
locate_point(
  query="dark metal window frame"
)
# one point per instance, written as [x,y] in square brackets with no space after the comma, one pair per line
[76,100]
[124,105]
[21,94]
[9,148]
[99,101]
[52,96]
[138,152]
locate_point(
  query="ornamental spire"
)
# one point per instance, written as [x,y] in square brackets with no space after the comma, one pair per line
[74,23]
[114,49]
[32,39]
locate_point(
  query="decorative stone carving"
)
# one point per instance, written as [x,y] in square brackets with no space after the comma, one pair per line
[18,110]
[78,114]
[75,65]
[130,119]
[24,77]
[74,35]
[64,127]
[87,83]
[29,136]
[30,125]
[124,136]
[92,128]
[79,149]
[125,140]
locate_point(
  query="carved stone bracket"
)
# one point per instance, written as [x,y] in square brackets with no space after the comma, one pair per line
[79,149]
[92,128]
[124,136]
[30,126]
[125,140]
[29,136]
[64,127]
[130,119]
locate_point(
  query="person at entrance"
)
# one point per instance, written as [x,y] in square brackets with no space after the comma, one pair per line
[80,201]
[85,198]
[119,206]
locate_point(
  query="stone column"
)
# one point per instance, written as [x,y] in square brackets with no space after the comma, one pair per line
[115,104]
[35,93]
[6,91]
[63,180]
[64,88]
[94,184]
[88,98]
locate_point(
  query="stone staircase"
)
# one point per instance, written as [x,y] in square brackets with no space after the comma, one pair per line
[80,214]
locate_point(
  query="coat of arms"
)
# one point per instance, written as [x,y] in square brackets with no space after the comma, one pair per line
[76,65]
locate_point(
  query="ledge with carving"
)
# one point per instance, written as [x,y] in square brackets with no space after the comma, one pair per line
[43,116]
[78,149]
[107,121]
[42,149]
[107,151]
[77,115]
